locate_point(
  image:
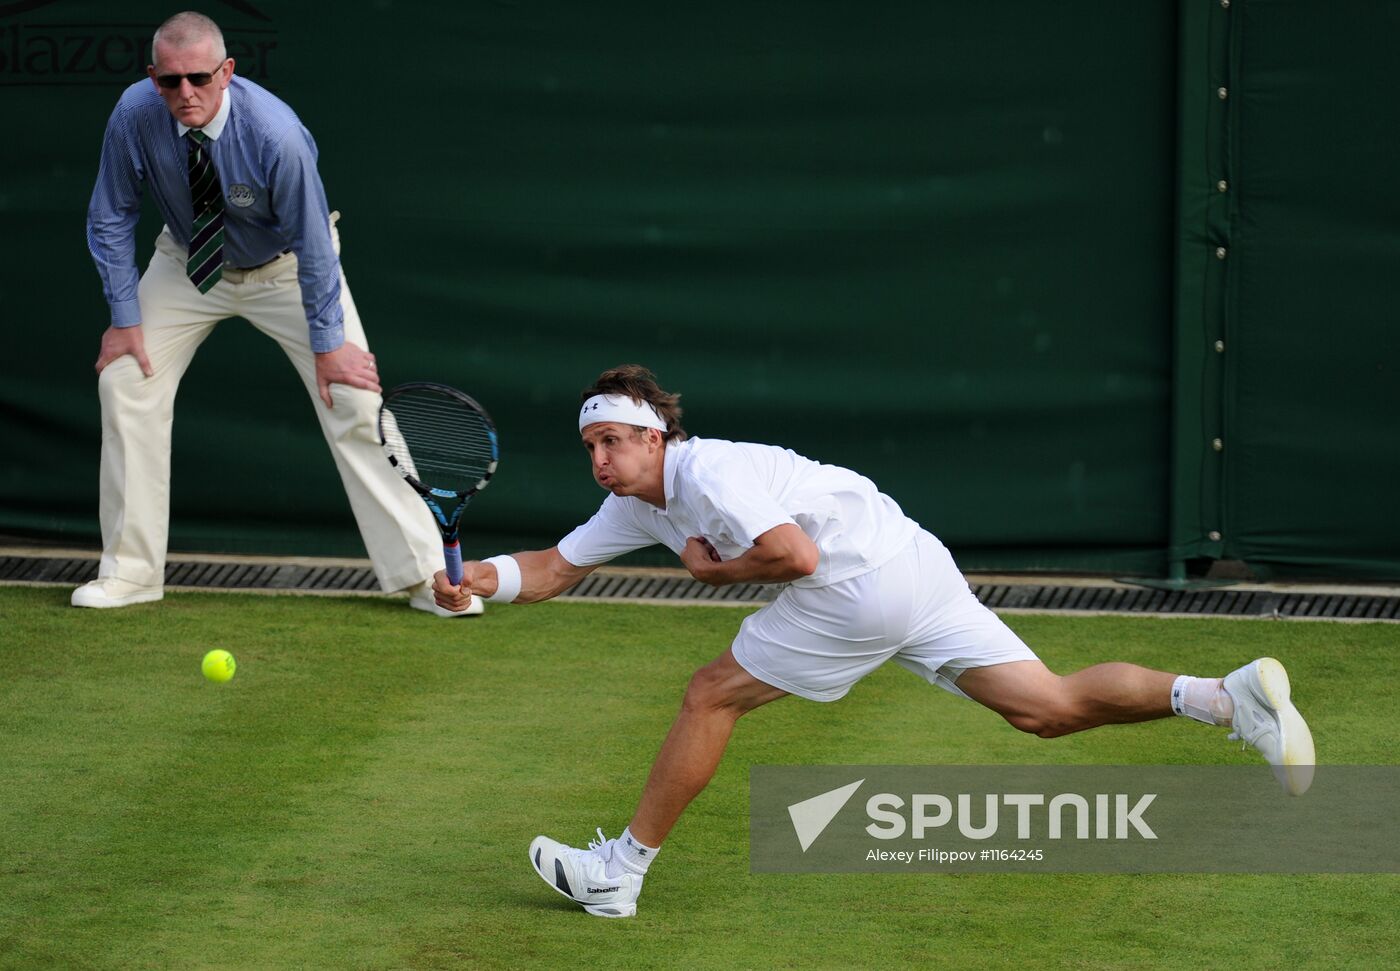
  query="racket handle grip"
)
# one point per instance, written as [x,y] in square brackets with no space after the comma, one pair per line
[452,553]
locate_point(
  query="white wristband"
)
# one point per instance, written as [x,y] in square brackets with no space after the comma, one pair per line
[507,579]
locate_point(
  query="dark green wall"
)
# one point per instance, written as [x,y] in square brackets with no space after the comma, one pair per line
[941,243]
[1302,395]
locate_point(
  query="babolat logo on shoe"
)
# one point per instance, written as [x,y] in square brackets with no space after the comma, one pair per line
[603,889]
[1087,819]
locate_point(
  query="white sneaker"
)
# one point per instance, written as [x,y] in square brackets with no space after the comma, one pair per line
[111,592]
[1267,720]
[582,876]
[421,598]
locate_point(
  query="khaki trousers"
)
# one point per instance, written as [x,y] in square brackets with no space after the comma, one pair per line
[137,413]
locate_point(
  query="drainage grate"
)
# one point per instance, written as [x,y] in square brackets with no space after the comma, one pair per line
[1216,603]
[1038,597]
[1338,606]
[209,576]
[47,570]
[637,585]
[1129,600]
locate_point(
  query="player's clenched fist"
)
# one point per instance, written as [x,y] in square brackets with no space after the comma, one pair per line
[698,557]
[455,598]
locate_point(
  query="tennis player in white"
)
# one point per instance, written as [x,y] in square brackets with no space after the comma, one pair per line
[864,584]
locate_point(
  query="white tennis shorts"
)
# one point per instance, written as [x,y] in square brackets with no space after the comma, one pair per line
[817,642]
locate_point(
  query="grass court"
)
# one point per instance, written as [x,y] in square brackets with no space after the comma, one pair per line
[362,793]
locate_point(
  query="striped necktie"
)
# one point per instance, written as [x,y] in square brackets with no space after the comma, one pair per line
[205,265]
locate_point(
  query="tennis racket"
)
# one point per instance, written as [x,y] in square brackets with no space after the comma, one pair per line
[444,445]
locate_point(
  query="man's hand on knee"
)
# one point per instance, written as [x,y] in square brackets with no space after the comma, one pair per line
[118,342]
[347,364]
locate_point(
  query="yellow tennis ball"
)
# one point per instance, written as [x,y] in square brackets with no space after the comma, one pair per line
[219,665]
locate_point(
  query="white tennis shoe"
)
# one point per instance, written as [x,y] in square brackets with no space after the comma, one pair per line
[582,876]
[1267,720]
[111,592]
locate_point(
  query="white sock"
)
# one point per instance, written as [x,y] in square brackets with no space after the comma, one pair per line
[630,854]
[1204,699]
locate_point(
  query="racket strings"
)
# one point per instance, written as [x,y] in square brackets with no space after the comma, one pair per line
[440,441]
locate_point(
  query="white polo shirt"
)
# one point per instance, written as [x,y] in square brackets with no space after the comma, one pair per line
[732,492]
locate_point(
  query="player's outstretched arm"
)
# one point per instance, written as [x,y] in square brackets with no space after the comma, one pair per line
[781,554]
[543,574]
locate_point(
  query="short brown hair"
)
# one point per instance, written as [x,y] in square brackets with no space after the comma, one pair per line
[639,384]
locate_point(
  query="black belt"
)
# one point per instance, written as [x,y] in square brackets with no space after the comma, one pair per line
[250,269]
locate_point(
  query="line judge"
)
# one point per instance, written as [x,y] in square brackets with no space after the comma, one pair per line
[247,233]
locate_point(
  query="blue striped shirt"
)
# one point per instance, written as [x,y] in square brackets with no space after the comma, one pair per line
[273,198]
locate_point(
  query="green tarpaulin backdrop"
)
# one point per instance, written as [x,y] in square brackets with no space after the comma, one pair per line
[982,253]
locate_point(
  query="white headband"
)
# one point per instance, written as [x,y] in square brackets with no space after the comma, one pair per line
[621,409]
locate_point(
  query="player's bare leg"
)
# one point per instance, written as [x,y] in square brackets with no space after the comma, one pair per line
[718,694]
[1254,700]
[1035,699]
[606,878]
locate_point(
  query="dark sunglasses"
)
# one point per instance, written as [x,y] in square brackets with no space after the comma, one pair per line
[199,79]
